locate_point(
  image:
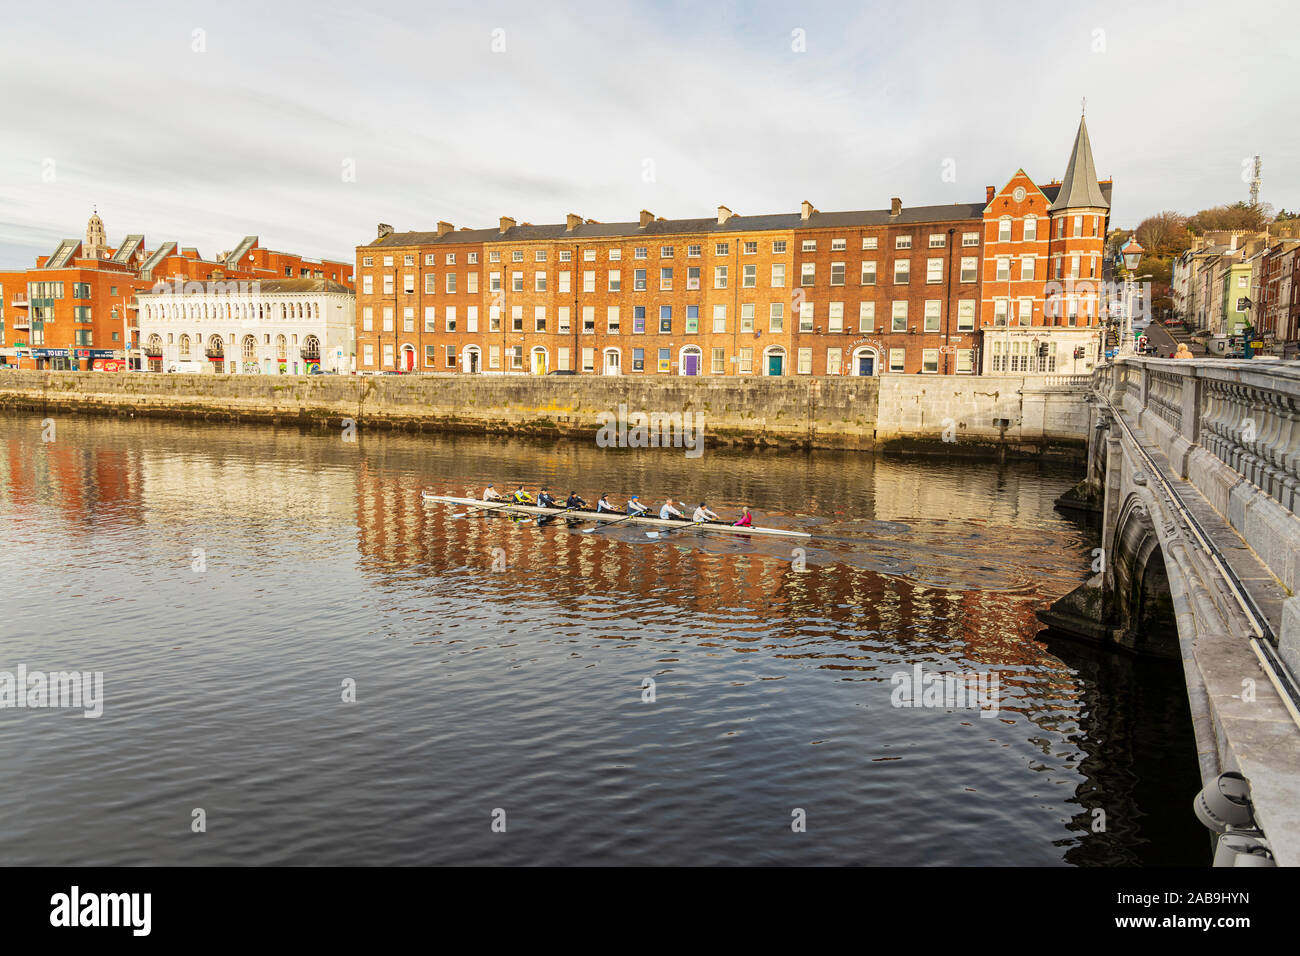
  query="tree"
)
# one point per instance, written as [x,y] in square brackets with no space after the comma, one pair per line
[1238,215]
[1164,234]
[1285,215]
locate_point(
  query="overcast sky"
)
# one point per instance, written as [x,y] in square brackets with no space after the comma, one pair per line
[307,124]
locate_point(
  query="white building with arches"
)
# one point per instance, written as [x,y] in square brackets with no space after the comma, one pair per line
[249,327]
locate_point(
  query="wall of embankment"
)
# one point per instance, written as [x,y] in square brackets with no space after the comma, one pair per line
[921,413]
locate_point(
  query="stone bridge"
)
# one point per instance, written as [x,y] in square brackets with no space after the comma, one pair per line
[1194,467]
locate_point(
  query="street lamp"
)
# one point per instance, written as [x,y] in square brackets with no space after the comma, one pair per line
[1131,255]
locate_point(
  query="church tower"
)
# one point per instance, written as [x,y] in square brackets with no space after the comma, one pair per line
[96,244]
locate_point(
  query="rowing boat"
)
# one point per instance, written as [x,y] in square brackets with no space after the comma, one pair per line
[509,507]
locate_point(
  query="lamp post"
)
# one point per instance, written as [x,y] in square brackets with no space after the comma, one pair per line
[1131,255]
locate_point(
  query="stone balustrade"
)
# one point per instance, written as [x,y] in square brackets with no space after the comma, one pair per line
[1244,413]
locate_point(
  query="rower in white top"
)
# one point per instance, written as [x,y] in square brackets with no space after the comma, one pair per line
[668,512]
[702,514]
[490,494]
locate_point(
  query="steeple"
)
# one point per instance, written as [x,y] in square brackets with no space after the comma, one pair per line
[96,240]
[1079,187]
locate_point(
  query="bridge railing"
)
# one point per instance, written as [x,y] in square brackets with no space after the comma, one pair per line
[1245,413]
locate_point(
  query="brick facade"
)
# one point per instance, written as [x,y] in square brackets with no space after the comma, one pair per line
[914,290]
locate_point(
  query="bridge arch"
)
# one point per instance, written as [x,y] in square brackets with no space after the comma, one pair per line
[1141,583]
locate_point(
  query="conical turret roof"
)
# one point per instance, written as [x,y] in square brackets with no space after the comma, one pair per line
[1079,186]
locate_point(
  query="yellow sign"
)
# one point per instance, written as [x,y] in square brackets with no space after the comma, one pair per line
[1256,345]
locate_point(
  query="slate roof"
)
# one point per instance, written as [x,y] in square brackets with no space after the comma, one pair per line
[1079,185]
[949,212]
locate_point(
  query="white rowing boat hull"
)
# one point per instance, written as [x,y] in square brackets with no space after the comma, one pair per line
[606,516]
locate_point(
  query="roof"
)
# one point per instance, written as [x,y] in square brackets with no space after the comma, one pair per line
[950,212]
[1079,185]
[63,254]
[264,286]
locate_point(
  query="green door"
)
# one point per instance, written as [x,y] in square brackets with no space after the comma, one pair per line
[774,362]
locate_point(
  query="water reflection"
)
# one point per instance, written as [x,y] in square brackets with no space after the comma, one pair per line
[524,685]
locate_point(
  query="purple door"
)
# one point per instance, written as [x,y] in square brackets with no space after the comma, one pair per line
[692,363]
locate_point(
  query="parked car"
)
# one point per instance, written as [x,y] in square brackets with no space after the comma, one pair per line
[561,371]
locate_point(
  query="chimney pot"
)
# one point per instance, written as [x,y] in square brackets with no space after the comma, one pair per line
[989,193]
[806,210]
[506,224]
[444,228]
[385,230]
[647,217]
[723,215]
[571,222]
[895,206]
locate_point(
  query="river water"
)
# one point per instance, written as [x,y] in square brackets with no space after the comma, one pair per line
[235,584]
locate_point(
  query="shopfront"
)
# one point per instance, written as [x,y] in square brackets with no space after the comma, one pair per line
[53,360]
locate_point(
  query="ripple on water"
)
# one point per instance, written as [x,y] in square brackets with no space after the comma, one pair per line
[621,699]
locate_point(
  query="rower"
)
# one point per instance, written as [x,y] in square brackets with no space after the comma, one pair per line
[603,505]
[668,512]
[522,497]
[574,501]
[545,500]
[702,513]
[746,519]
[490,494]
[634,506]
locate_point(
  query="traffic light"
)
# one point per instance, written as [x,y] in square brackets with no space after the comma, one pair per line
[1078,352]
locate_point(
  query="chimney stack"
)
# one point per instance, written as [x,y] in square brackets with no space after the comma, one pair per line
[647,217]
[572,222]
[895,207]
[723,215]
[506,224]
[989,193]
[444,228]
[806,210]
[385,230]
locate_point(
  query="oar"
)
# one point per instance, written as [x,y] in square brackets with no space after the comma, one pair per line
[495,506]
[541,519]
[665,534]
[610,524]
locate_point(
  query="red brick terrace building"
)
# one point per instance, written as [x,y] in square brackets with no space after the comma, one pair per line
[1007,284]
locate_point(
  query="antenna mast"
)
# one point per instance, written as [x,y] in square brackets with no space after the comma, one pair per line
[1255,181]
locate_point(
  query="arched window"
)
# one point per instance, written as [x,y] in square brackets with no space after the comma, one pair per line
[185,346]
[281,348]
[216,346]
[248,349]
[311,349]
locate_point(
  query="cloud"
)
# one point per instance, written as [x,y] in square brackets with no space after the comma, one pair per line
[247,125]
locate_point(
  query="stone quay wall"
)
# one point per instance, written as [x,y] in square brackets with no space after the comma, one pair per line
[1033,416]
